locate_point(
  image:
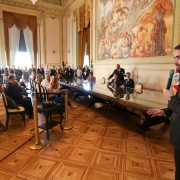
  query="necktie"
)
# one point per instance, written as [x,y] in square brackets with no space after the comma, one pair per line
[127,81]
[176,81]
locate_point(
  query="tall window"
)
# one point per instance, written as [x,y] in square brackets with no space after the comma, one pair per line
[22,58]
[86,57]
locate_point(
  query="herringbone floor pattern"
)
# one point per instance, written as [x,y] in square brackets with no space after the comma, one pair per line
[103,145]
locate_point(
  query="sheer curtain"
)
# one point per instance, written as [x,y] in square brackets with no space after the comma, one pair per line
[28,37]
[14,36]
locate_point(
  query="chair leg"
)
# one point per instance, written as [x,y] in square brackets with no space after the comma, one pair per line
[47,127]
[7,122]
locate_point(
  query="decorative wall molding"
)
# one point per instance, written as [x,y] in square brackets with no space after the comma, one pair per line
[41,5]
[59,2]
[77,4]
[90,3]
[73,13]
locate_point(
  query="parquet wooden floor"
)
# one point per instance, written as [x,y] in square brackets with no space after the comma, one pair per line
[103,145]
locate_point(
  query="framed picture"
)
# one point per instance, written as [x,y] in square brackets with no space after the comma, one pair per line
[134,29]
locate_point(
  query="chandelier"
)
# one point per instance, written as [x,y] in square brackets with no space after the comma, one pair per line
[33,1]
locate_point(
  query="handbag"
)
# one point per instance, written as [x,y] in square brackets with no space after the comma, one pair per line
[48,104]
[11,103]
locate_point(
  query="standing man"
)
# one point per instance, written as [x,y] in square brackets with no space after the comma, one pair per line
[40,71]
[85,72]
[172,111]
[1,69]
[120,71]
[18,74]
[32,69]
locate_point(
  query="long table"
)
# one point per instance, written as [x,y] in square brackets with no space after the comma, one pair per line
[127,98]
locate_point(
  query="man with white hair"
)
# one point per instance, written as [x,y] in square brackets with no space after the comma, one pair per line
[46,82]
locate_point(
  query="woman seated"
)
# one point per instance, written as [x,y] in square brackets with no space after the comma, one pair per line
[38,79]
[54,88]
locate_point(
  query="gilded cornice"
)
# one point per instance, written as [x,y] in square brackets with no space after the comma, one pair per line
[40,5]
[58,2]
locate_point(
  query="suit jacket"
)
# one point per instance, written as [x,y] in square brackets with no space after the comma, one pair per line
[173,111]
[129,84]
[40,71]
[53,72]
[69,73]
[116,82]
[13,71]
[14,92]
[32,70]
[85,73]
[120,74]
[2,71]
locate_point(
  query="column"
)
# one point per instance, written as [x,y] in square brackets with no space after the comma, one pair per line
[3,60]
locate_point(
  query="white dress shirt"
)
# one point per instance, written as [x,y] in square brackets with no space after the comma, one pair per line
[45,83]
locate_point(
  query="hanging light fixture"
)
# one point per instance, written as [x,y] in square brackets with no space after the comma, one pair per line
[33,1]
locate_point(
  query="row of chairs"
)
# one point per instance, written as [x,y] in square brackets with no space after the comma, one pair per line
[42,95]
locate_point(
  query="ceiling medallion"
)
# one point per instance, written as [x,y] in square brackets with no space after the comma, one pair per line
[33,1]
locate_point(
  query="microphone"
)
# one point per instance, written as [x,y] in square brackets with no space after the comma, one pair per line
[171,73]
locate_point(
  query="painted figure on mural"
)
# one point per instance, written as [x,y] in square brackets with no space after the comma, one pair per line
[159,30]
[126,44]
[139,41]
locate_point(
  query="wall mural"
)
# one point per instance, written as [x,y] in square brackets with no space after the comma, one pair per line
[134,28]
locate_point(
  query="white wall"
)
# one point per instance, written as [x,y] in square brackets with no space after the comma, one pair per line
[152,76]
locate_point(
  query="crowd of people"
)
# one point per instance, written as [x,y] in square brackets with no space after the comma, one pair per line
[25,74]
[17,81]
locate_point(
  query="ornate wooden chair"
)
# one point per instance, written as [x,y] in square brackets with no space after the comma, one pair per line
[48,111]
[10,111]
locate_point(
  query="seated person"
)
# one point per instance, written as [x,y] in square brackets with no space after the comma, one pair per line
[15,93]
[128,82]
[116,81]
[91,78]
[38,79]
[1,79]
[46,82]
[53,88]
[33,75]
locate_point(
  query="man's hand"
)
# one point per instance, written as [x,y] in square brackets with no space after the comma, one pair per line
[155,112]
[123,86]
[24,97]
[168,93]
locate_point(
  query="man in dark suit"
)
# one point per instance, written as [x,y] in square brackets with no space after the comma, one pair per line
[13,70]
[15,92]
[40,71]
[18,73]
[85,72]
[69,74]
[128,82]
[120,71]
[172,111]
[116,81]
[1,69]
[32,69]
